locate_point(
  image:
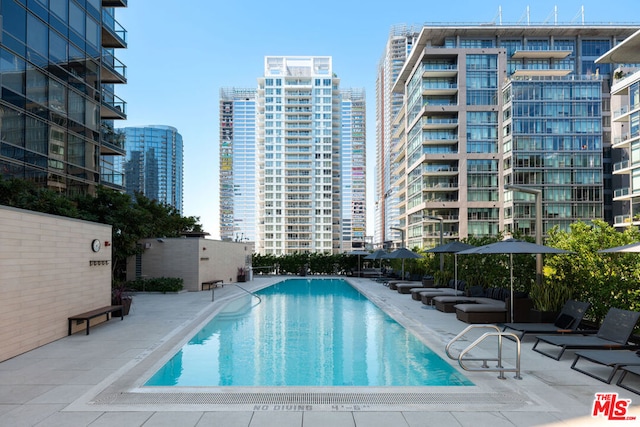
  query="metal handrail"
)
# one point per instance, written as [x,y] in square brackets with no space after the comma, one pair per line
[485,367]
[250,293]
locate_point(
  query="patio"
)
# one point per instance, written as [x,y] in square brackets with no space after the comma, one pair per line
[95,379]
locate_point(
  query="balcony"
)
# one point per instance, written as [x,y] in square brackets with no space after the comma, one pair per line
[625,140]
[621,167]
[541,54]
[541,72]
[112,107]
[437,89]
[112,141]
[113,34]
[112,71]
[622,194]
[442,123]
[114,3]
[439,70]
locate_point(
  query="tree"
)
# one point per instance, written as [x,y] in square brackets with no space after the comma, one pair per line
[131,219]
[592,276]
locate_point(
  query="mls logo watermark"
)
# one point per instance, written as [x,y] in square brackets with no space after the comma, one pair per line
[612,408]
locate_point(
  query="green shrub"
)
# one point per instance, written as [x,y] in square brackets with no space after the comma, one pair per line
[157,284]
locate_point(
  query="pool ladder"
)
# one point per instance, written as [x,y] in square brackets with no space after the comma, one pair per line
[485,367]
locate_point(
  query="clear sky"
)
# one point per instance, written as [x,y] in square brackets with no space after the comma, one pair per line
[180,53]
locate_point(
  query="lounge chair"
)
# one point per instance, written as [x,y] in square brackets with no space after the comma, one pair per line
[567,321]
[631,369]
[614,333]
[614,359]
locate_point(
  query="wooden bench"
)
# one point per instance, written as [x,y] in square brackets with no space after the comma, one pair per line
[86,317]
[212,283]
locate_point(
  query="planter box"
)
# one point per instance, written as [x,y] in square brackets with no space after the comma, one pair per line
[126,306]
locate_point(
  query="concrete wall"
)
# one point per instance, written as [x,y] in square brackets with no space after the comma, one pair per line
[48,272]
[195,260]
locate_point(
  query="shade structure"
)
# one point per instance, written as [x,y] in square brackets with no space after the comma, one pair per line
[452,248]
[358,254]
[512,246]
[379,254]
[630,248]
[402,253]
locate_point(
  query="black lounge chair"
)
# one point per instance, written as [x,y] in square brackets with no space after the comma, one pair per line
[614,359]
[635,370]
[567,321]
[614,333]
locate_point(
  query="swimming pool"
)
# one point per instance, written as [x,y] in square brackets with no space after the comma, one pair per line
[305,332]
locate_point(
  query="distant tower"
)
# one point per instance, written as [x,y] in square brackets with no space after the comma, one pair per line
[154,163]
[388,104]
[238,198]
[353,160]
[298,132]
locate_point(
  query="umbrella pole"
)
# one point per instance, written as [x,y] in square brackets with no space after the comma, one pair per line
[455,269]
[511,270]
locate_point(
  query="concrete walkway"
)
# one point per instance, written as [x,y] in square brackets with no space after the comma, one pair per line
[96,380]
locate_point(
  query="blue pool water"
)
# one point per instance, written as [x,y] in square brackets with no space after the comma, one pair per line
[305,332]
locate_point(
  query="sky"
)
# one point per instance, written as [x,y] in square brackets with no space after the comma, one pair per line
[180,54]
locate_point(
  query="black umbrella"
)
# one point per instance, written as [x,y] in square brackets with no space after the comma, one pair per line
[512,246]
[632,247]
[402,253]
[379,254]
[452,248]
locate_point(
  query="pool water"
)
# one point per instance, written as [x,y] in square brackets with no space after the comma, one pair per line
[305,332]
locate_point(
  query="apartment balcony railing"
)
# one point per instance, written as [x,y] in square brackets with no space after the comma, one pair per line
[112,141]
[114,3]
[113,70]
[112,107]
[621,192]
[622,220]
[113,34]
[620,166]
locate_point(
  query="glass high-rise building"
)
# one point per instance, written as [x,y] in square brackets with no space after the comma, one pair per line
[154,163]
[388,105]
[489,105]
[58,70]
[353,173]
[238,167]
[625,132]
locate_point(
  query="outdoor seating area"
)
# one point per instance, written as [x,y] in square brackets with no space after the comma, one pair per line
[608,348]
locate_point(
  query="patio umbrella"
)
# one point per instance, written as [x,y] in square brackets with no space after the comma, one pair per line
[632,247]
[358,254]
[402,253]
[379,254]
[512,246]
[452,248]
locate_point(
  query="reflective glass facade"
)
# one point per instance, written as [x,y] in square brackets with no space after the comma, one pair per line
[238,168]
[58,70]
[488,106]
[553,142]
[353,169]
[154,163]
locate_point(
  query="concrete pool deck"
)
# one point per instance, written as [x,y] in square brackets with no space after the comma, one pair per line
[96,380]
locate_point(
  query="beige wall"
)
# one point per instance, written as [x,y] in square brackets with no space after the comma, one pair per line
[46,276]
[196,260]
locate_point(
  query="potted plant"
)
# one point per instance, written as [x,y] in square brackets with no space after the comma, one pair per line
[242,275]
[121,295]
[548,299]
